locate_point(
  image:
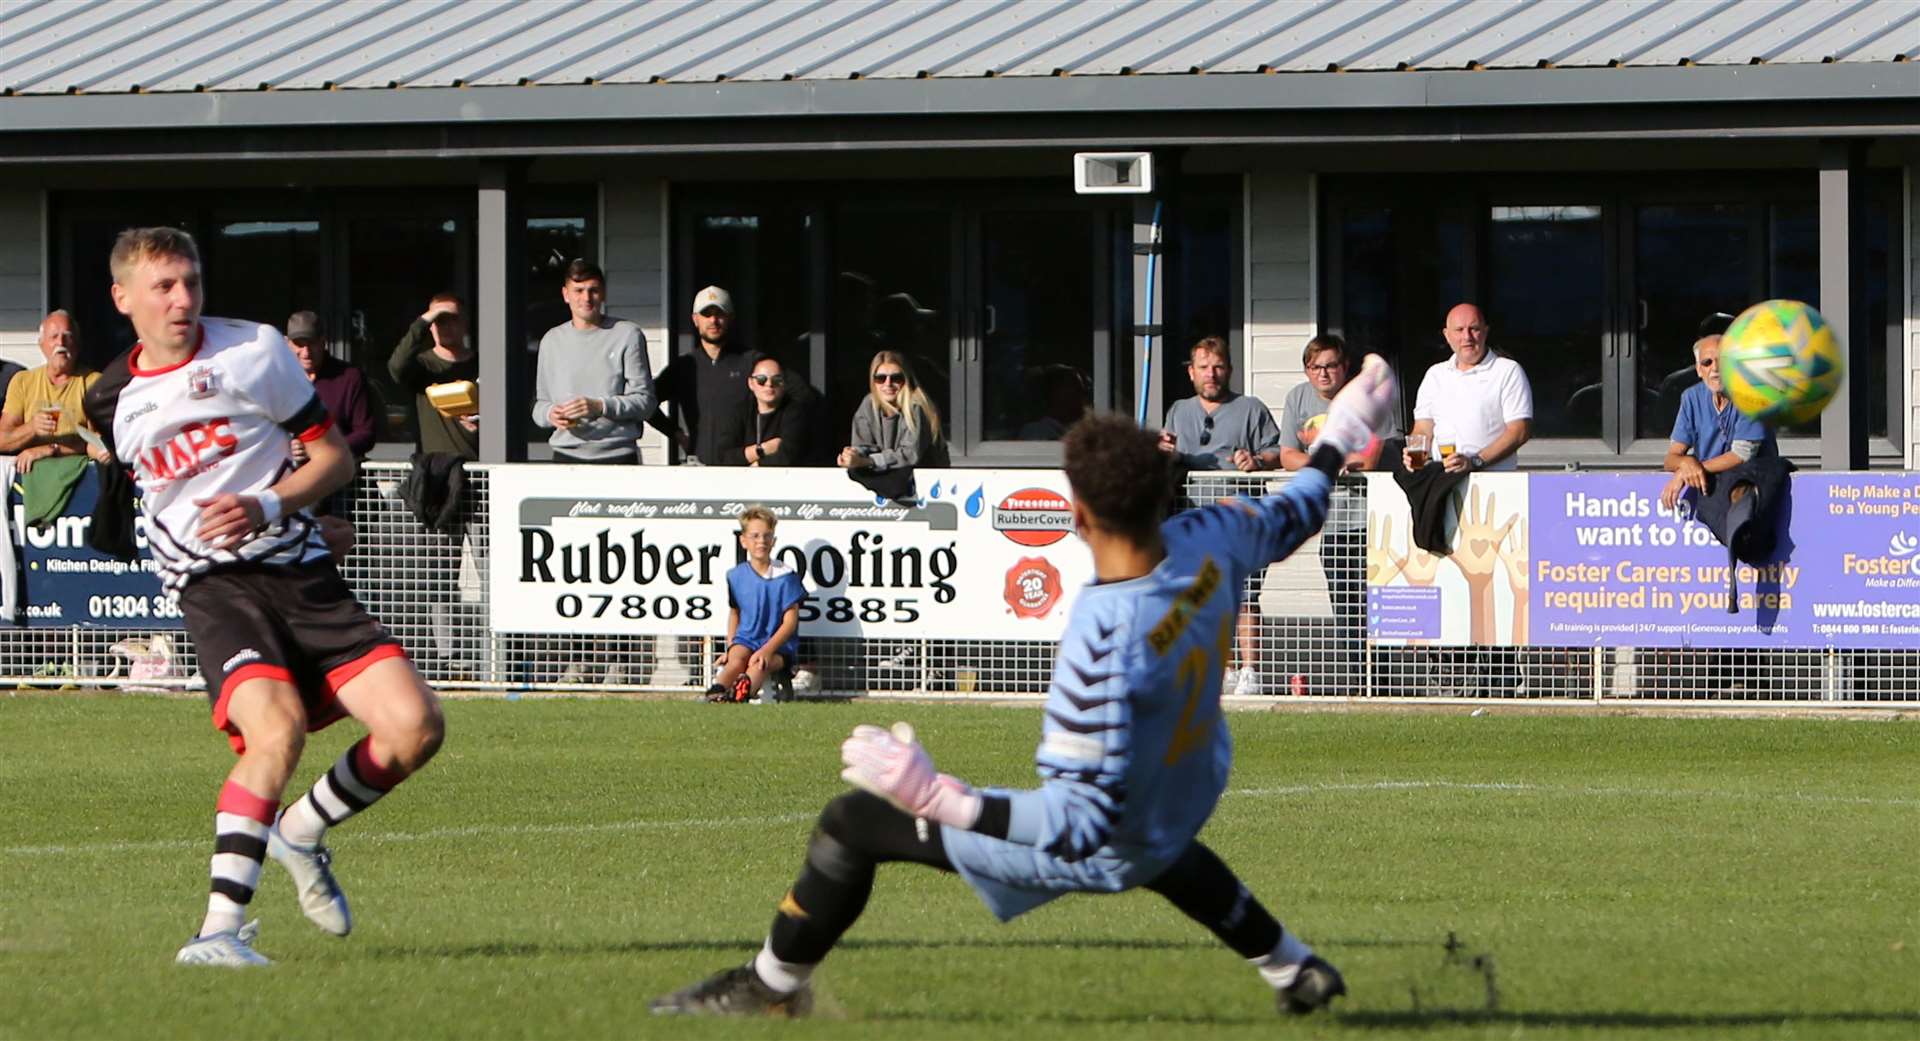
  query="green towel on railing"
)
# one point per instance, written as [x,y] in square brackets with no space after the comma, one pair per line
[45,489]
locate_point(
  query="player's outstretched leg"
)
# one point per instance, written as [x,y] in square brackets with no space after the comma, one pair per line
[405,729]
[1207,891]
[857,833]
[267,717]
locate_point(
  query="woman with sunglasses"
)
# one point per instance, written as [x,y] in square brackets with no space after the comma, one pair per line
[775,427]
[897,426]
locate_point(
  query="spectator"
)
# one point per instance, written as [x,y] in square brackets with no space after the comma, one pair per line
[594,386]
[1066,401]
[896,426]
[1710,436]
[1476,408]
[434,351]
[8,370]
[1217,429]
[342,388]
[42,415]
[776,429]
[1329,364]
[706,386]
[763,615]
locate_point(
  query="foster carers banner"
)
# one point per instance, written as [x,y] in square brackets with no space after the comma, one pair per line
[979,554]
[1612,566]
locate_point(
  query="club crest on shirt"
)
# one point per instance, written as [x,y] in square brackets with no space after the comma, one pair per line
[201,382]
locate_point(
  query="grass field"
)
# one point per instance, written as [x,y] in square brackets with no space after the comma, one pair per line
[564,861]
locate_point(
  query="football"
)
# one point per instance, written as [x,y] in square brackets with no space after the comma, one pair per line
[1781,362]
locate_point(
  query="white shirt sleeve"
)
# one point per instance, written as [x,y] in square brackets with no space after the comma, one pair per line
[1516,395]
[1423,401]
[266,372]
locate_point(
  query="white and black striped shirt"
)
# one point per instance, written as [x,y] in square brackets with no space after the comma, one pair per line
[217,422]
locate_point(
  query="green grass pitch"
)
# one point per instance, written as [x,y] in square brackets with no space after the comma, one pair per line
[564,861]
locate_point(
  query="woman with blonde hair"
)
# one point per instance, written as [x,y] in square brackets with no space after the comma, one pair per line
[897,426]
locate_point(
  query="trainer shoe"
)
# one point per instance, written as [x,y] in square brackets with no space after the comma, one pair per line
[734,992]
[1247,684]
[1315,988]
[229,949]
[717,693]
[742,690]
[312,870]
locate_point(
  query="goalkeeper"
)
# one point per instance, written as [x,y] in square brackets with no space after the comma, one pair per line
[1133,754]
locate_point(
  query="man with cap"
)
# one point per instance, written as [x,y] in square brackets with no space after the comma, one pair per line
[42,413]
[342,388]
[707,385]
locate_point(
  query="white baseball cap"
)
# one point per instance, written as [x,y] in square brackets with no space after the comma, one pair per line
[713,296]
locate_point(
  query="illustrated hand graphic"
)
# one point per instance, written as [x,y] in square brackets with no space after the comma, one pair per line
[1381,567]
[1478,543]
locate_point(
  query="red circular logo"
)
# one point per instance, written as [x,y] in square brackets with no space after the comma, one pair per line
[1033,587]
[1034,517]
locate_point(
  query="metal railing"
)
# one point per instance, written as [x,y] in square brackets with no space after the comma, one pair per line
[1304,634]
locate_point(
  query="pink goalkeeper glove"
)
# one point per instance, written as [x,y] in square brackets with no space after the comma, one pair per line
[893,766]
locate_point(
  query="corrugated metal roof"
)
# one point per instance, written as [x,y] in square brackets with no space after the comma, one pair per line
[119,46]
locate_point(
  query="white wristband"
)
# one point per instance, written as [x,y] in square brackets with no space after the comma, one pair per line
[269,506]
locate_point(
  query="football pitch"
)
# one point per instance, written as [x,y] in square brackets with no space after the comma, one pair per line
[564,861]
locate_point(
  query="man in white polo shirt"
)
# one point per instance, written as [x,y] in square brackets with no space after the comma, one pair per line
[1476,408]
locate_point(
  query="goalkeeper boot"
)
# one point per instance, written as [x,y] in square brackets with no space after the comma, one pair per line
[1314,988]
[321,899]
[734,992]
[232,949]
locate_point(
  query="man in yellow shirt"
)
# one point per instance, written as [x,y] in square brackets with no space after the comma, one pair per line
[43,414]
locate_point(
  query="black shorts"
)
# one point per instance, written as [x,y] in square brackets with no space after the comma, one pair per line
[298,623]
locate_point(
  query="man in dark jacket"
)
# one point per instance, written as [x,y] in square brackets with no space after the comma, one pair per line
[435,350]
[707,385]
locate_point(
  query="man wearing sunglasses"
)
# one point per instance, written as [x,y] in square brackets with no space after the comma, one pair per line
[776,427]
[1217,429]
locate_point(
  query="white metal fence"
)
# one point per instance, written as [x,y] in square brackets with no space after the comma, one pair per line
[1305,636]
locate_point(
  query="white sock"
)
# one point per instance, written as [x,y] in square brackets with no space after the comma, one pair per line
[783,976]
[1281,966]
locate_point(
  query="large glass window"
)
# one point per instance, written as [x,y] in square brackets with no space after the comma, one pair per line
[1598,288]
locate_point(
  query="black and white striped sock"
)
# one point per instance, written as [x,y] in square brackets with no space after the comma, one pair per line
[240,823]
[352,784]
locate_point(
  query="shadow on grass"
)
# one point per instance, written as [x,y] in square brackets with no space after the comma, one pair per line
[745,945]
[1438,1018]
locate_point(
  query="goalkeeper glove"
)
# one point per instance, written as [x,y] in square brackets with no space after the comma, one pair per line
[892,765]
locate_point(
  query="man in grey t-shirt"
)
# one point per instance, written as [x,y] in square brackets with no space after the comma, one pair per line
[1343,548]
[1217,429]
[593,387]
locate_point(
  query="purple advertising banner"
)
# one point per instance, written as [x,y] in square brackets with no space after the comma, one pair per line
[1611,566]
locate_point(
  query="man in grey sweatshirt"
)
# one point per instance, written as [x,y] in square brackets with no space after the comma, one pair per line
[593,387]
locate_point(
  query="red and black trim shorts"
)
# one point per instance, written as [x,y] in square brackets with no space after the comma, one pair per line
[297,622]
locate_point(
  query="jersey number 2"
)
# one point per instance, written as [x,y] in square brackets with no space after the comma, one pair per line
[1195,669]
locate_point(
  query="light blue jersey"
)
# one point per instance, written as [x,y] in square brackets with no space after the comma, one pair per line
[1133,754]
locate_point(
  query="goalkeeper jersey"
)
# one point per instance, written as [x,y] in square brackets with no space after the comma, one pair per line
[1133,753]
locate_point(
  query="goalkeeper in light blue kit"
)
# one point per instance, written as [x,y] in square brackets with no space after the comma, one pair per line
[1133,755]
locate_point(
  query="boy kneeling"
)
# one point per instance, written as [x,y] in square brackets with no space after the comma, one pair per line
[763,615]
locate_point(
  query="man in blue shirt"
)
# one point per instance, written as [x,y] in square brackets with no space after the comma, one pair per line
[1134,753]
[1710,436]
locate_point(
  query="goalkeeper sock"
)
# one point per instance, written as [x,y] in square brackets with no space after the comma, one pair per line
[1281,966]
[783,976]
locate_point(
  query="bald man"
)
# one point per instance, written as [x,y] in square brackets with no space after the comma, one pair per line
[1476,408]
[42,413]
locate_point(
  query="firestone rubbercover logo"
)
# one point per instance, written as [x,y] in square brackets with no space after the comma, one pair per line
[1034,517]
[1033,587]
